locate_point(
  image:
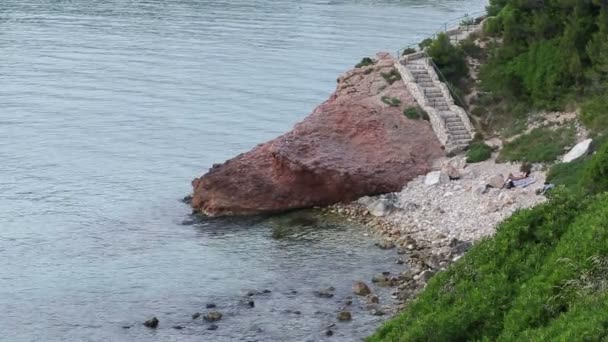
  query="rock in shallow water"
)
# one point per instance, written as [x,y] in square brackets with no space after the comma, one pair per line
[361,289]
[151,323]
[344,316]
[351,145]
[212,316]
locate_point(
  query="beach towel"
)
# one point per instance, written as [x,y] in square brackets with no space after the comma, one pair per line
[522,183]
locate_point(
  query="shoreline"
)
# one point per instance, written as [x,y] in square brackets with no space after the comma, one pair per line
[404,220]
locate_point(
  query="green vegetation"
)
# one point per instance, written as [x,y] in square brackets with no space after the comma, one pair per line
[449,59]
[391,101]
[467,21]
[478,152]
[408,51]
[551,52]
[416,113]
[540,145]
[365,62]
[594,114]
[392,76]
[595,175]
[567,174]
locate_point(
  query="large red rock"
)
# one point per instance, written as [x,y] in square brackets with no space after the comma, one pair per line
[352,145]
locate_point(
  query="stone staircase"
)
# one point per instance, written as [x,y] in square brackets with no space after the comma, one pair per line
[450,122]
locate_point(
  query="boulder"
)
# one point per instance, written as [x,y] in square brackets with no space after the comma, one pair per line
[344,316]
[151,323]
[325,293]
[352,145]
[372,299]
[577,151]
[436,177]
[212,316]
[496,181]
[381,207]
[361,289]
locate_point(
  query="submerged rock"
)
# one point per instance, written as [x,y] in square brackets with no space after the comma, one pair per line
[344,316]
[352,145]
[151,323]
[361,289]
[212,316]
[325,293]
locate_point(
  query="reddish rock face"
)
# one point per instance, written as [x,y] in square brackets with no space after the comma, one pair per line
[352,145]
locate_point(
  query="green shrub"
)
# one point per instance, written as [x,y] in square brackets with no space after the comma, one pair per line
[365,62]
[415,113]
[594,113]
[408,51]
[595,175]
[391,101]
[425,43]
[471,49]
[478,152]
[540,145]
[467,21]
[449,59]
[567,174]
[392,76]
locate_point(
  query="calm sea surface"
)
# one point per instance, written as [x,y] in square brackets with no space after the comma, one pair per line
[109,108]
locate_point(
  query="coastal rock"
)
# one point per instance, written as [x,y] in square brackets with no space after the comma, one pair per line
[577,151]
[151,323]
[212,316]
[381,207]
[325,293]
[436,177]
[373,299]
[361,289]
[352,145]
[344,316]
[496,181]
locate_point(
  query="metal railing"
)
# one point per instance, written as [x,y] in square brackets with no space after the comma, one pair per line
[445,81]
[475,17]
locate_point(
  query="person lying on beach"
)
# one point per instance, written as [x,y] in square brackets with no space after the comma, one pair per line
[518,176]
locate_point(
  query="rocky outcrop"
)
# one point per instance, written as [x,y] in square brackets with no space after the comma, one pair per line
[356,143]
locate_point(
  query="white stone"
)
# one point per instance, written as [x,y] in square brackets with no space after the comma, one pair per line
[381,207]
[496,181]
[436,177]
[577,151]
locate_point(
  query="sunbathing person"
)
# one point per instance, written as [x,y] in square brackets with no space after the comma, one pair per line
[523,174]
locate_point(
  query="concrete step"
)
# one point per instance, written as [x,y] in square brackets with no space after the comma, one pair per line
[427,84]
[459,128]
[433,91]
[433,95]
[461,137]
[454,132]
[421,71]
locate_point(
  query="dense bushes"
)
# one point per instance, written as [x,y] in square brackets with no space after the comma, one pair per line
[478,152]
[594,113]
[550,51]
[415,113]
[567,174]
[540,145]
[595,175]
[448,58]
[365,61]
